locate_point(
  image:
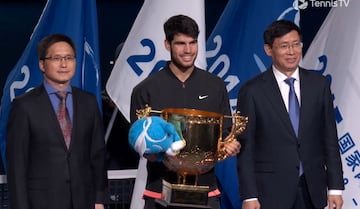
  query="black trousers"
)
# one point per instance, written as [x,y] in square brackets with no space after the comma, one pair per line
[303,200]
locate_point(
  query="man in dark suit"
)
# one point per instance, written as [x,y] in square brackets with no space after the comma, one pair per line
[288,162]
[48,166]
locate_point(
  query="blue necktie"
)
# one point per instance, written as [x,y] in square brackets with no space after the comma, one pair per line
[294,109]
[293,105]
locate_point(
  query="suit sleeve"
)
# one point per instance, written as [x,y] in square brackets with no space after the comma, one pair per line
[16,155]
[98,152]
[246,174]
[333,159]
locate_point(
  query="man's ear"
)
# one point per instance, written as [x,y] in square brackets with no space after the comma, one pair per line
[167,45]
[41,65]
[268,49]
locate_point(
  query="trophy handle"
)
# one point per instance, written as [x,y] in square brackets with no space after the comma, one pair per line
[238,128]
[141,113]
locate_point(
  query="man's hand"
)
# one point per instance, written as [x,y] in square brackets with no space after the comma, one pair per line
[232,148]
[335,201]
[231,145]
[99,206]
[252,204]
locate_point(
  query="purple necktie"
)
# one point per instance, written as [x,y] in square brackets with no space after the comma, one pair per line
[63,117]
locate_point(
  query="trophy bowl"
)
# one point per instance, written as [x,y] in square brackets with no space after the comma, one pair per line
[202,133]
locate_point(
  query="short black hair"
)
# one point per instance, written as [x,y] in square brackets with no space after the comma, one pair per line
[278,29]
[48,41]
[180,24]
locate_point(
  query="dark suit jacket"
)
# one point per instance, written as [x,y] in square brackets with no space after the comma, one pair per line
[42,173]
[270,155]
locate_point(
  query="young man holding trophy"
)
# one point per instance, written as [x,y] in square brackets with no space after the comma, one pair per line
[180,84]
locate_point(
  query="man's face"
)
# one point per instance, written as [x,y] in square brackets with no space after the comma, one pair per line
[183,51]
[286,52]
[59,64]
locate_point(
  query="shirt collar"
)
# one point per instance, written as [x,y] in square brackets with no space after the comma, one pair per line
[51,90]
[280,77]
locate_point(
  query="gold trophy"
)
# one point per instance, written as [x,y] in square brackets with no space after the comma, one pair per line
[202,133]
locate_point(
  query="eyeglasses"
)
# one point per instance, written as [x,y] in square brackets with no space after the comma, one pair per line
[286,46]
[58,58]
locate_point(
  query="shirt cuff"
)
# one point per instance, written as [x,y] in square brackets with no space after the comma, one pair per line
[335,192]
[250,199]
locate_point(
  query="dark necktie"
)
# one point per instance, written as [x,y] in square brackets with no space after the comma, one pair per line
[294,109]
[63,117]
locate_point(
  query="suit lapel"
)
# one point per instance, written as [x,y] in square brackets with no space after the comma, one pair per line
[272,92]
[76,106]
[306,90]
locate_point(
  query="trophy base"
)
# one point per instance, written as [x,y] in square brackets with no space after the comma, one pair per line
[184,196]
[179,205]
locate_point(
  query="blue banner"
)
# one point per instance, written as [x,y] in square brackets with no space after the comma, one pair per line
[235,52]
[78,20]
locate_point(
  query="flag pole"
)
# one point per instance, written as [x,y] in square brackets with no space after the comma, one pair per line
[111,124]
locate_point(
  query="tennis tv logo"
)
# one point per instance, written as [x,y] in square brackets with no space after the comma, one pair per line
[303,4]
